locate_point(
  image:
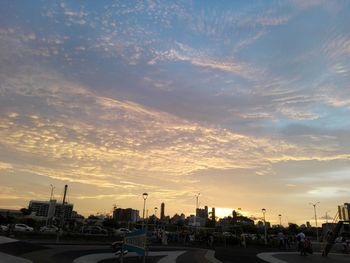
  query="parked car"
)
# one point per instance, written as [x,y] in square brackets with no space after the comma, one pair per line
[95,230]
[23,228]
[49,229]
[121,232]
[228,234]
[4,228]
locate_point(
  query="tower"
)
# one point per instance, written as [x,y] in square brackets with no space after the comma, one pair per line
[162,211]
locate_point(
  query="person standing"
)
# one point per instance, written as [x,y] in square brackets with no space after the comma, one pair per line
[286,241]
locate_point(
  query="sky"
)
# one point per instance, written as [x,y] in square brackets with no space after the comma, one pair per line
[244,102]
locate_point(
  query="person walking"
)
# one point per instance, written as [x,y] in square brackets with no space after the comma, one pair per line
[301,243]
[280,236]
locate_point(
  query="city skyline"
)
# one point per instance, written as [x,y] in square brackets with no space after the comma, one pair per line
[245,102]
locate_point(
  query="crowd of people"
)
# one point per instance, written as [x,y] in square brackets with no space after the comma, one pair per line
[283,240]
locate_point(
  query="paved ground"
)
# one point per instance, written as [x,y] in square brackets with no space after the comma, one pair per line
[14,251]
[314,258]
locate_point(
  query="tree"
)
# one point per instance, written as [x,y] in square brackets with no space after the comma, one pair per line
[110,223]
[293,228]
[26,211]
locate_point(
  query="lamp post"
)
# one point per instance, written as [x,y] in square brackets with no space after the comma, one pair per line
[155,217]
[155,211]
[52,188]
[144,196]
[195,215]
[265,230]
[280,218]
[314,205]
[197,196]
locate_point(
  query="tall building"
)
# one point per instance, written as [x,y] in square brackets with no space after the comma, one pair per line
[126,215]
[202,212]
[67,210]
[213,214]
[344,212]
[50,209]
[162,211]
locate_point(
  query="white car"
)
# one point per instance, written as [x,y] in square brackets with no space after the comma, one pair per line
[4,228]
[49,229]
[121,232]
[23,228]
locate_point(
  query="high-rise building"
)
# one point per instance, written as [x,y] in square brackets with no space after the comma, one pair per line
[162,211]
[213,214]
[126,215]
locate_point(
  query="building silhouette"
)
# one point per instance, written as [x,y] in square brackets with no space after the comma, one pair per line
[202,212]
[127,215]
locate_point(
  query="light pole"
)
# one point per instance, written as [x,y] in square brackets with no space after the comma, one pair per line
[314,205]
[155,211]
[197,196]
[265,230]
[144,196]
[195,215]
[52,188]
[280,217]
[155,217]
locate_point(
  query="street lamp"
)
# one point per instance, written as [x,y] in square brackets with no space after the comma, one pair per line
[280,217]
[195,215]
[314,205]
[144,196]
[197,196]
[265,230]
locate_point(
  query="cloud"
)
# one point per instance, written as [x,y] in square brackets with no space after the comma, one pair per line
[200,60]
[110,139]
[337,47]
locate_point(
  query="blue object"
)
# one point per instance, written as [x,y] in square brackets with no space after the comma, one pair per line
[136,242]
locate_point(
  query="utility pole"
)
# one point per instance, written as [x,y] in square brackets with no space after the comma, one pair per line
[59,232]
[314,205]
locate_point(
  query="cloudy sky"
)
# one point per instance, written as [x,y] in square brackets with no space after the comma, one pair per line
[246,102]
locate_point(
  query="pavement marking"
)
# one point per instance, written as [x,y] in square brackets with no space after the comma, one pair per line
[171,256]
[6,258]
[269,256]
[210,256]
[4,240]
[93,258]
